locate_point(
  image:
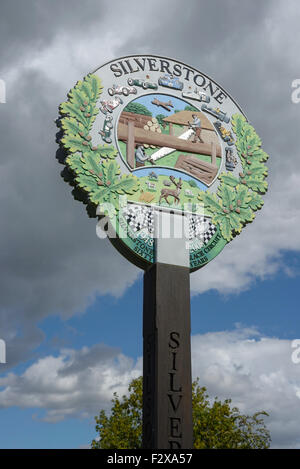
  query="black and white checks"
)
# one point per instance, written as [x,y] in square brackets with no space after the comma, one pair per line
[139,217]
[200,227]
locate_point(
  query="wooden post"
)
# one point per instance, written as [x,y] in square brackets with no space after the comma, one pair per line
[130,144]
[171,130]
[167,383]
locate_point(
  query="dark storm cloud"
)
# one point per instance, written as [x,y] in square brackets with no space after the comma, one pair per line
[51,260]
[32,24]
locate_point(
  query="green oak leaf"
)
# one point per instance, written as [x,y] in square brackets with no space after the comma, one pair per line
[70,110]
[92,164]
[259,155]
[127,184]
[106,151]
[238,121]
[86,182]
[95,86]
[243,196]
[225,228]
[253,140]
[257,170]
[229,179]
[77,97]
[227,195]
[256,201]
[246,215]
[71,126]
[74,162]
[235,222]
[257,185]
[111,170]
[74,143]
[211,202]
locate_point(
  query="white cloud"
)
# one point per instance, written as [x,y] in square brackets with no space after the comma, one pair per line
[256,372]
[75,383]
[257,251]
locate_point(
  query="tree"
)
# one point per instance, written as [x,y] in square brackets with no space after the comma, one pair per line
[191,108]
[138,108]
[160,120]
[192,183]
[216,424]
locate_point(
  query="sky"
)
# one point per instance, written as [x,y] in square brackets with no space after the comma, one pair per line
[70,305]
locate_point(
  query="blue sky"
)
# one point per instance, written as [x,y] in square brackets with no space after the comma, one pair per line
[70,305]
[178,104]
[118,323]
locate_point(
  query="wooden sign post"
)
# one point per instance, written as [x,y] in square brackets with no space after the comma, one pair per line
[167,385]
[167,382]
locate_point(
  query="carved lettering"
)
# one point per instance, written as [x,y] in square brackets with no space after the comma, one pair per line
[164,66]
[175,427]
[174,340]
[188,71]
[211,90]
[174,405]
[152,65]
[199,80]
[123,68]
[140,64]
[174,444]
[174,396]
[174,354]
[114,68]
[137,64]
[172,388]
[130,67]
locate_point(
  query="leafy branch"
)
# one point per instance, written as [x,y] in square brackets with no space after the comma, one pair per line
[237,198]
[95,168]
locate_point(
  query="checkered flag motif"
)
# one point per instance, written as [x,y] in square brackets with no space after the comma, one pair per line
[201,228]
[139,217]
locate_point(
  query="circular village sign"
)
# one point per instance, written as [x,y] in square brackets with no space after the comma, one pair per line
[155,147]
[148,135]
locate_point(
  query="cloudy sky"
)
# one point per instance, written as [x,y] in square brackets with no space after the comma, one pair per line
[70,305]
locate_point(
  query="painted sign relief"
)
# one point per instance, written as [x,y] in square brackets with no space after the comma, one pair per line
[144,134]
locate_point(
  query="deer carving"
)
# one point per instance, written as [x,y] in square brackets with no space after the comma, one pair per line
[165,193]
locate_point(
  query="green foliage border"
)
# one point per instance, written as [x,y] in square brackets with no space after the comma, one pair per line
[237,199]
[95,168]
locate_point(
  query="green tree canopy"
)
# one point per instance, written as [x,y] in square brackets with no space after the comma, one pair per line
[137,108]
[160,119]
[191,108]
[216,424]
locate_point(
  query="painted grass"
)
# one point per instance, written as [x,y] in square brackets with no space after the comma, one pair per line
[159,185]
